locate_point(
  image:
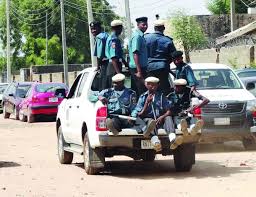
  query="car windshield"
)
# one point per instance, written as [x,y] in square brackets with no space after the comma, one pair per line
[247,74]
[217,79]
[22,90]
[2,88]
[49,87]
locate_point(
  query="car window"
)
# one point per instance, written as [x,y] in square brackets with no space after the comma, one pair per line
[81,85]
[247,74]
[49,87]
[253,91]
[22,90]
[2,88]
[11,89]
[74,87]
[217,79]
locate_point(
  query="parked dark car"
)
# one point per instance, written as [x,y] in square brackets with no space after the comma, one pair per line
[12,97]
[3,86]
[246,72]
[250,84]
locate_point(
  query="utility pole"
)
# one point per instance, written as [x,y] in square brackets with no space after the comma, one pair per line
[90,19]
[233,15]
[8,46]
[64,47]
[46,39]
[128,19]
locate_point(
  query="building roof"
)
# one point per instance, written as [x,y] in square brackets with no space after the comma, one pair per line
[237,33]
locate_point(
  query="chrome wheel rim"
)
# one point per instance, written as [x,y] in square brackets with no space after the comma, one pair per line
[86,154]
[60,146]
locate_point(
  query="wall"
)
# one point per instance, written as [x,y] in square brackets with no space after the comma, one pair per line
[238,55]
[215,26]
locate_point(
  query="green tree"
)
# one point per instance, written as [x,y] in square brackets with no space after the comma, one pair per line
[223,6]
[187,32]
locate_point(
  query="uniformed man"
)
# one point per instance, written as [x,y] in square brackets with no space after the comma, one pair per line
[114,51]
[138,56]
[153,111]
[160,49]
[183,70]
[182,105]
[120,101]
[99,52]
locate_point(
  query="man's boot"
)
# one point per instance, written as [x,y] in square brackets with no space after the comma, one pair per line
[184,127]
[197,127]
[111,127]
[156,143]
[175,141]
[151,125]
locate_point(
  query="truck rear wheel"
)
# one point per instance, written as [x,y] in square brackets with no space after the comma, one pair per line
[94,159]
[148,156]
[184,157]
[64,156]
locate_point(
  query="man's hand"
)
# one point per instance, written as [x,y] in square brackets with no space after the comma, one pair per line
[160,120]
[103,100]
[139,75]
[149,98]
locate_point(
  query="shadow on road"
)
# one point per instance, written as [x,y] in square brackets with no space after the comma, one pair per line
[8,164]
[165,169]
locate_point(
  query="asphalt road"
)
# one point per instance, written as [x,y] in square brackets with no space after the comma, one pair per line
[29,167]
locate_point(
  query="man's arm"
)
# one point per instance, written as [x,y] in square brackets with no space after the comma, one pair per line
[192,82]
[138,66]
[115,62]
[204,100]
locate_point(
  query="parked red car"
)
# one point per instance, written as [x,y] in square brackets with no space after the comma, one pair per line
[42,99]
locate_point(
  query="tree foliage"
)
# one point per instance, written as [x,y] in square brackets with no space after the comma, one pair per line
[28,28]
[223,6]
[187,32]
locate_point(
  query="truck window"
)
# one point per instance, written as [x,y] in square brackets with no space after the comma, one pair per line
[73,88]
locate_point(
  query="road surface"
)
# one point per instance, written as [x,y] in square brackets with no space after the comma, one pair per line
[29,167]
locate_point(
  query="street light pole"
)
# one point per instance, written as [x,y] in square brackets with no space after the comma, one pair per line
[8,46]
[233,15]
[90,19]
[46,38]
[128,19]
[64,47]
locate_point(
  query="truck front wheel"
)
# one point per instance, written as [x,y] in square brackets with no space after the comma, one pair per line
[64,156]
[184,157]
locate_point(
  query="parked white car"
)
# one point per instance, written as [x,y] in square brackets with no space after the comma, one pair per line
[3,86]
[231,114]
[81,128]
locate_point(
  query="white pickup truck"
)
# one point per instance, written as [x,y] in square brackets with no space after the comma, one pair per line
[81,128]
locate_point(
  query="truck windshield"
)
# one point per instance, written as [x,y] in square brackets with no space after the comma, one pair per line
[217,79]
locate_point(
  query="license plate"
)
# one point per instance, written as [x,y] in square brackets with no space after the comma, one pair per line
[53,100]
[221,121]
[146,144]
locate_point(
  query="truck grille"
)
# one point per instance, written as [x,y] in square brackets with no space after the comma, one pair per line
[231,108]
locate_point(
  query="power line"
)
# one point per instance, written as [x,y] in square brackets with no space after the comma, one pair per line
[161,2]
[17,12]
[75,17]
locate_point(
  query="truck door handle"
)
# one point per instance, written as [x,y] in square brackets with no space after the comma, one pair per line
[70,106]
[77,106]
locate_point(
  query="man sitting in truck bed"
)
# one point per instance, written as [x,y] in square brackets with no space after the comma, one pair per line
[120,101]
[153,110]
[182,105]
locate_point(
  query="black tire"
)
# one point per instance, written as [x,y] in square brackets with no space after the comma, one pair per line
[5,113]
[16,113]
[91,167]
[64,156]
[148,156]
[30,118]
[249,144]
[184,157]
[22,117]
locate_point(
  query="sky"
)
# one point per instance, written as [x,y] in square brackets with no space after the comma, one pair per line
[150,8]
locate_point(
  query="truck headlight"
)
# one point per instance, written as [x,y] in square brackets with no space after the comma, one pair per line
[251,105]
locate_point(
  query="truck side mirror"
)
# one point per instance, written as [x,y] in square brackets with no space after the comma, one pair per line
[250,86]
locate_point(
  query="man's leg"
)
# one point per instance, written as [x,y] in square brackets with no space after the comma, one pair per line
[138,85]
[114,125]
[175,140]
[103,74]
